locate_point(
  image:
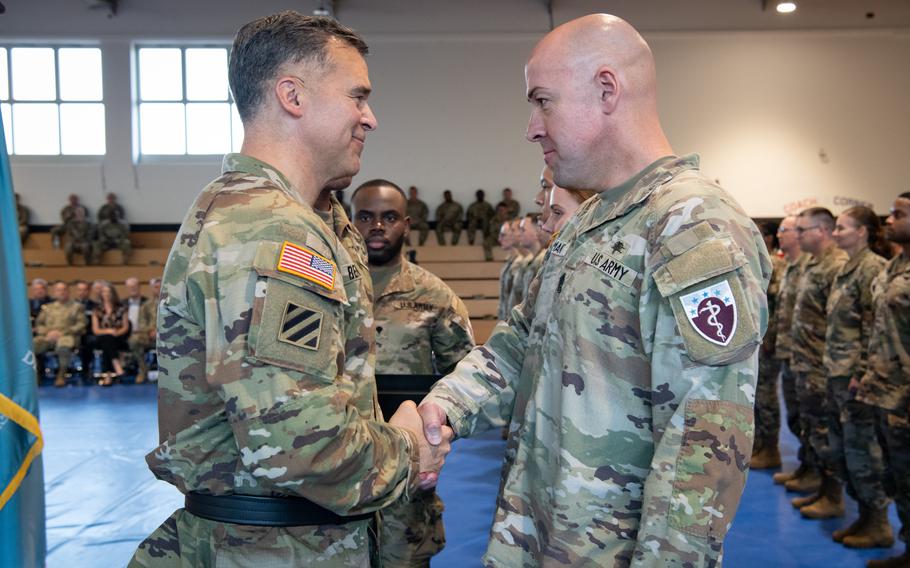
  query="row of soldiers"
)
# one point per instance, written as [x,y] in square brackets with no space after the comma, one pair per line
[78,235]
[62,323]
[839,340]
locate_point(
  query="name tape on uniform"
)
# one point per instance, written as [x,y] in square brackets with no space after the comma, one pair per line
[613,268]
[559,248]
[306,264]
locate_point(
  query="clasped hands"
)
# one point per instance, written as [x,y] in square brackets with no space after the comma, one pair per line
[434,438]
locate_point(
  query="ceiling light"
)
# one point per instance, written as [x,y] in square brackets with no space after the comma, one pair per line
[786,7]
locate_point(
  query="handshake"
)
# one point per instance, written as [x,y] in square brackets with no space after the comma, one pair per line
[434,438]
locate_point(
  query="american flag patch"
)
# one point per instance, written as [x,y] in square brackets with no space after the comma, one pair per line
[307,264]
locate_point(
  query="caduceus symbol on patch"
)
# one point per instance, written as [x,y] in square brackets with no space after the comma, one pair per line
[713,310]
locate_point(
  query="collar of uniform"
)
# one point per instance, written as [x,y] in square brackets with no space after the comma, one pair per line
[898,265]
[250,165]
[815,259]
[402,280]
[617,201]
[855,261]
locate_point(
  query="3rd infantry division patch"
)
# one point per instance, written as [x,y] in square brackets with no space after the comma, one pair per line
[301,326]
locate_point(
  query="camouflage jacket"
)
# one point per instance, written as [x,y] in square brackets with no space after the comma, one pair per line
[778,267]
[80,232]
[253,394]
[449,212]
[517,291]
[480,210]
[530,271]
[630,417]
[786,299]
[810,321]
[66,317]
[887,380]
[850,315]
[148,317]
[512,206]
[417,210]
[505,288]
[422,326]
[109,212]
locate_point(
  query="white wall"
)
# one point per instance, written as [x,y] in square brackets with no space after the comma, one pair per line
[758,106]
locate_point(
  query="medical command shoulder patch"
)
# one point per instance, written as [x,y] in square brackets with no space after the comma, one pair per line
[307,264]
[712,312]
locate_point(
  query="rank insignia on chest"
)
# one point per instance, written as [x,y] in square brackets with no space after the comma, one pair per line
[712,312]
[300,326]
[305,263]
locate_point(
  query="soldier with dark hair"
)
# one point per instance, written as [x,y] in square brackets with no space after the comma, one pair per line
[419,214]
[448,218]
[479,216]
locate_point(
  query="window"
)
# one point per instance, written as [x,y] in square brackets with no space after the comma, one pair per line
[51,100]
[185,104]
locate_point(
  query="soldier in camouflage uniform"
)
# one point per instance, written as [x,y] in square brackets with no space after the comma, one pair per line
[419,214]
[765,451]
[886,382]
[507,239]
[814,227]
[628,386]
[58,329]
[513,208]
[145,336]
[22,217]
[448,217]
[492,237]
[67,214]
[528,246]
[111,211]
[479,216]
[80,238]
[423,328]
[795,264]
[855,452]
[113,234]
[278,448]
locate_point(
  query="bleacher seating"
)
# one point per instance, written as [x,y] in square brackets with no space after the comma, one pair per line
[461,267]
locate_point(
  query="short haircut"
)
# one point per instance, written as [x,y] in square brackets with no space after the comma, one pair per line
[263,46]
[821,214]
[80,281]
[379,182]
[38,281]
[154,281]
[904,195]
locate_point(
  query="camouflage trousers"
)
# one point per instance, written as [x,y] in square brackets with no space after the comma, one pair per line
[856,455]
[187,541]
[894,436]
[811,390]
[442,226]
[791,401]
[420,227]
[767,403]
[412,531]
[474,225]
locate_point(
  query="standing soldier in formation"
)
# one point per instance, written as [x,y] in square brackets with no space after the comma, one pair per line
[479,216]
[58,327]
[814,227]
[528,244]
[448,216]
[145,336]
[765,450]
[67,214]
[512,207]
[419,214]
[492,237]
[113,233]
[22,216]
[627,376]
[886,382]
[508,235]
[111,211]
[80,237]
[422,328]
[855,452]
[278,449]
[788,241]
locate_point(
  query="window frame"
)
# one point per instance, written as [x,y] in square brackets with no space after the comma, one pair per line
[139,156]
[60,157]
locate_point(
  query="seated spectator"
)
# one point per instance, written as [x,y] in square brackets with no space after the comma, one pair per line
[111,328]
[145,334]
[83,295]
[58,329]
[134,301]
[37,297]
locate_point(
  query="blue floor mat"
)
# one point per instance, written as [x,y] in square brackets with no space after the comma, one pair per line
[102,500]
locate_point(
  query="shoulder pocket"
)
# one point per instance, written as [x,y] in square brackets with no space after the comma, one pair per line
[296,323]
[705,286]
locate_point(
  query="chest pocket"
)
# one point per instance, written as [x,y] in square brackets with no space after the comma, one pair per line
[296,324]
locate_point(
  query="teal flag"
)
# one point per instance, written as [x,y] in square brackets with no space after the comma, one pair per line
[22,534]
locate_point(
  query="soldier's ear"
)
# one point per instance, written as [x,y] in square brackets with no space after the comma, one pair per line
[289,91]
[407,226]
[608,90]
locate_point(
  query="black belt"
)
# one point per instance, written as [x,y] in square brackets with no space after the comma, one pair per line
[264,511]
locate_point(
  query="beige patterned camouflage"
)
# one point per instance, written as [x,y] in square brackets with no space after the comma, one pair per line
[614,399]
[254,402]
[505,288]
[785,303]
[810,322]
[519,269]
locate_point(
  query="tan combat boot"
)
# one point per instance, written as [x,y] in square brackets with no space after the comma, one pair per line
[805,501]
[876,533]
[782,477]
[809,482]
[766,458]
[902,561]
[60,381]
[855,527]
[831,504]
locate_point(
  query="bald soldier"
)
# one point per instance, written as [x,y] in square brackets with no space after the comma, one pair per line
[422,328]
[278,449]
[628,374]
